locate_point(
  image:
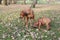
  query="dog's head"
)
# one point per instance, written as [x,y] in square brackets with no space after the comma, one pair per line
[35,25]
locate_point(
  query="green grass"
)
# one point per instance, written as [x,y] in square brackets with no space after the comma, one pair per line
[38,2]
[11,25]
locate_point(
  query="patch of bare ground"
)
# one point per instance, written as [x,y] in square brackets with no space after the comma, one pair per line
[18,7]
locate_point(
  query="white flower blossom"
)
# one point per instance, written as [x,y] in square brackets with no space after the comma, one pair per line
[37,34]
[45,31]
[27,39]
[15,27]
[4,36]
[23,30]
[58,38]
[42,36]
[48,32]
[18,34]
[46,36]
[8,35]
[52,33]
[18,21]
[37,29]
[12,37]
[32,34]
[26,36]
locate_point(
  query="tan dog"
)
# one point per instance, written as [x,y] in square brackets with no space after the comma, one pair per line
[43,21]
[28,14]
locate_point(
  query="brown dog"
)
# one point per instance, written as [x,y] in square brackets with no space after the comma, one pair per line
[28,14]
[43,21]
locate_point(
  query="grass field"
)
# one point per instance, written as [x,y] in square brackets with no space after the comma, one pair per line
[11,27]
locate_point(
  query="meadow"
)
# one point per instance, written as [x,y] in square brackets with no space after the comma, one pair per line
[12,28]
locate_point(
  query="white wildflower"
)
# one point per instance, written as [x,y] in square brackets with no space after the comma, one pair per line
[54,36]
[13,32]
[52,33]
[6,24]
[42,36]
[4,36]
[23,30]
[45,31]
[26,36]
[19,34]
[15,27]
[37,34]
[18,20]
[48,32]
[8,35]
[46,36]
[12,37]
[27,39]
[23,39]
[9,23]
[58,38]
[29,29]
[37,30]
[32,34]
[39,37]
